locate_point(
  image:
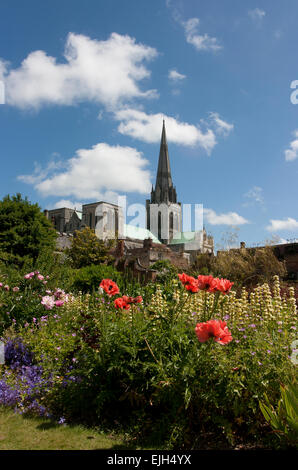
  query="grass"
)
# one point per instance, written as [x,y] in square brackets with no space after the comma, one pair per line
[18,432]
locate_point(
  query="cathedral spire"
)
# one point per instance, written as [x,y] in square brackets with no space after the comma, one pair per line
[164,190]
[163,177]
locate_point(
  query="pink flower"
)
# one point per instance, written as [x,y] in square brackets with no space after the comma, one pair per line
[40,277]
[59,303]
[59,293]
[48,302]
[1,285]
[29,275]
[6,287]
[15,289]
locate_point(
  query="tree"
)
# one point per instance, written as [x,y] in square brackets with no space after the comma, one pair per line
[87,249]
[25,232]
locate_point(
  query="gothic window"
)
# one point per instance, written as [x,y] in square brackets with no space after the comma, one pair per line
[159,225]
[171,224]
[110,220]
[105,221]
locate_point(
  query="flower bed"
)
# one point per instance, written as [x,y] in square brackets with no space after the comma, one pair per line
[191,359]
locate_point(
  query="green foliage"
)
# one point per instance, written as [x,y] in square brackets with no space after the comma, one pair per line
[87,249]
[283,419]
[88,278]
[166,270]
[24,231]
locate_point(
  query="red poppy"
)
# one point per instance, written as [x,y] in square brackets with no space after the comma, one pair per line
[189,282]
[208,283]
[121,303]
[109,286]
[124,301]
[224,285]
[133,300]
[216,329]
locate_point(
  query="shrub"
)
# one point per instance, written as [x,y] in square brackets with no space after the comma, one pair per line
[166,271]
[86,279]
[247,267]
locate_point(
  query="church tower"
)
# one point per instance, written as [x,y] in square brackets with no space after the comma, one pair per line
[164,217]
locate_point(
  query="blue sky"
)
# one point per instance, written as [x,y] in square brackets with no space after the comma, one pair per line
[87,85]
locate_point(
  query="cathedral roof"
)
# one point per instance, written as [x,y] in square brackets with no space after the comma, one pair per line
[138,233]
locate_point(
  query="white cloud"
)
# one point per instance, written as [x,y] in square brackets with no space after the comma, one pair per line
[107,72]
[176,76]
[147,127]
[257,15]
[283,241]
[292,153]
[40,173]
[222,127]
[200,42]
[97,173]
[254,195]
[68,204]
[230,218]
[287,224]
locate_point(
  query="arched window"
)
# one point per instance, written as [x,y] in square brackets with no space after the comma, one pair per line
[171,225]
[159,225]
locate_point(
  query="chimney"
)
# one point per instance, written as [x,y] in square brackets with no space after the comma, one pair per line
[46,213]
[147,243]
[242,244]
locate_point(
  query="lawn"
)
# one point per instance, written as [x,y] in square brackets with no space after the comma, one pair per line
[22,433]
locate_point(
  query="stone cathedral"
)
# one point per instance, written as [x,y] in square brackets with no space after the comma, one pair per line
[163,237]
[163,211]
